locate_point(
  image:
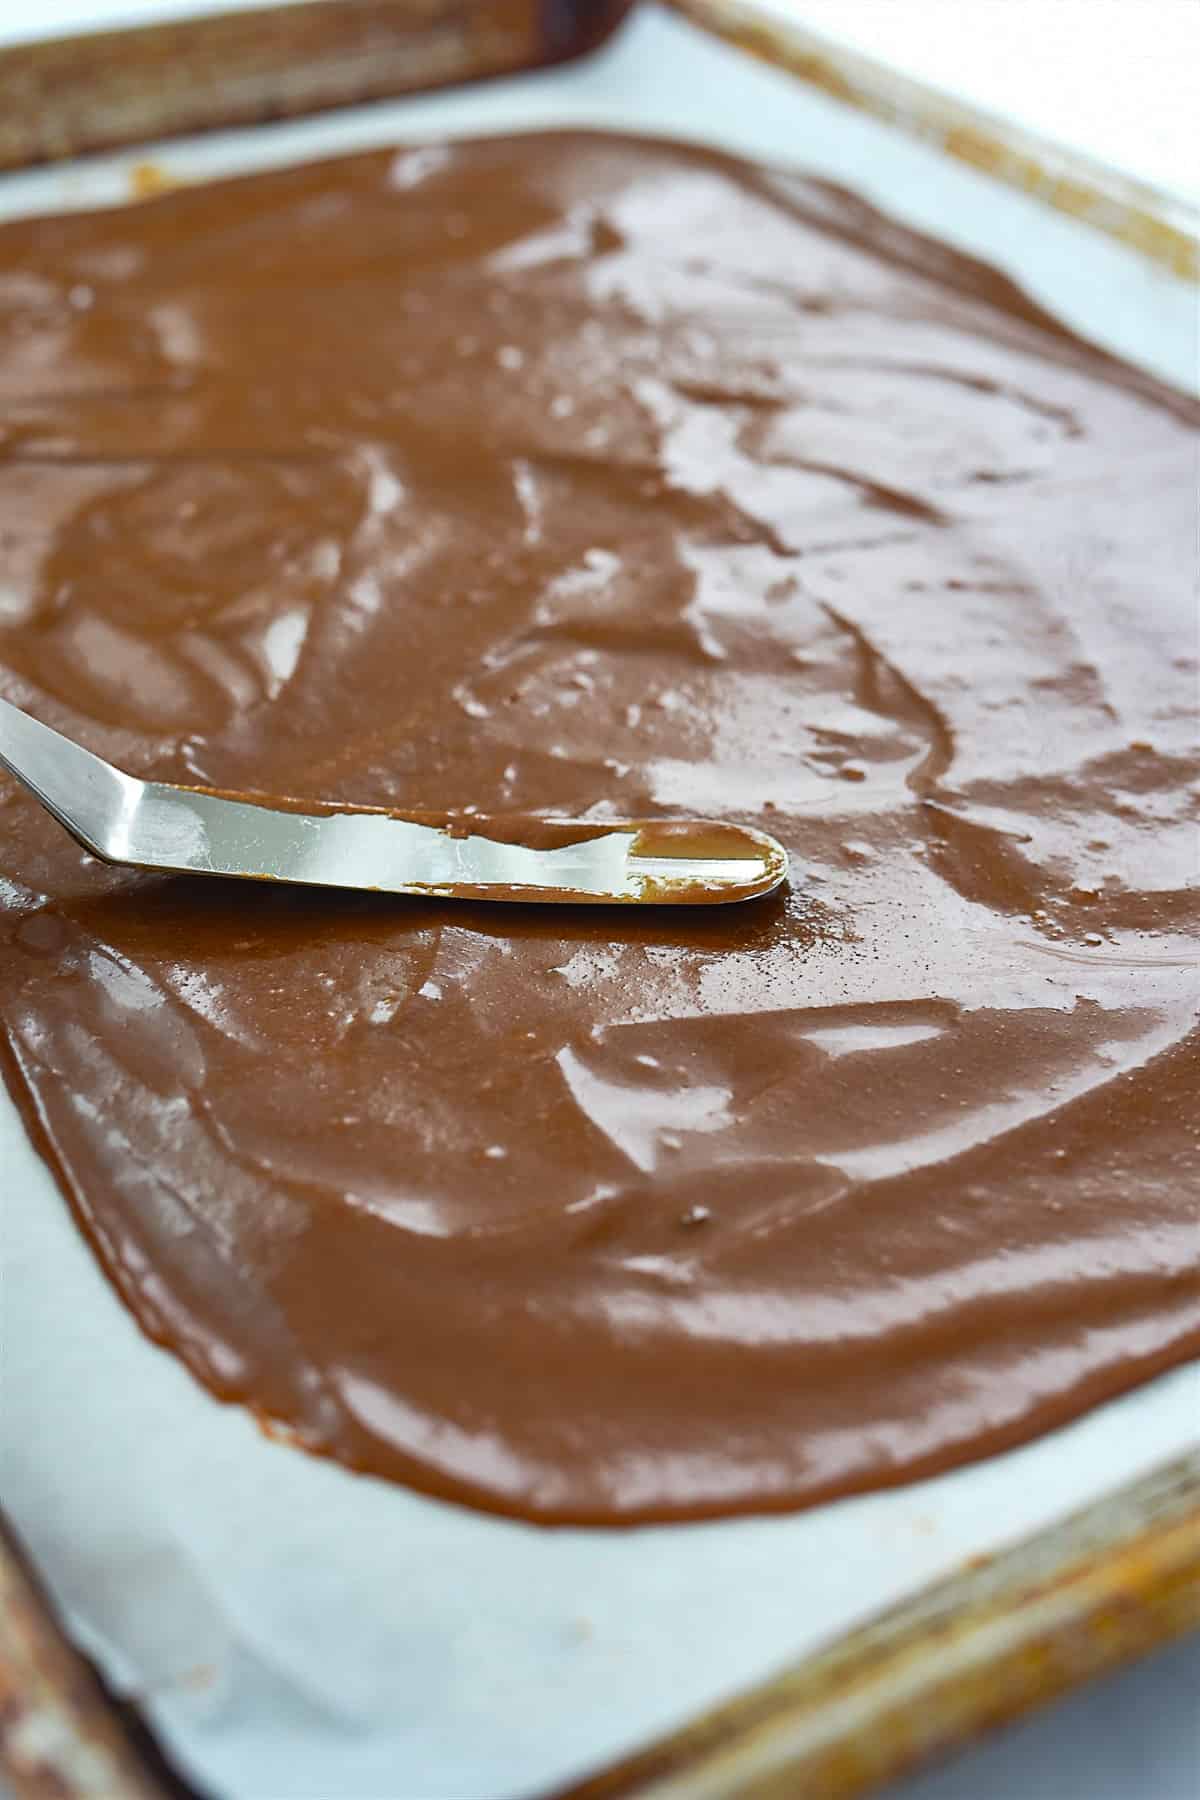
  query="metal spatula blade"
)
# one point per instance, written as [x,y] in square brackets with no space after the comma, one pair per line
[196,831]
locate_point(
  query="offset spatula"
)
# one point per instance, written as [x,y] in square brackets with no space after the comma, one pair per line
[198,831]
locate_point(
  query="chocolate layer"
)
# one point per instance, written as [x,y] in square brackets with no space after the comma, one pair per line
[581,475]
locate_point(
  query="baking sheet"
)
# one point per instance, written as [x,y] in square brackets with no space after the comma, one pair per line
[297,1631]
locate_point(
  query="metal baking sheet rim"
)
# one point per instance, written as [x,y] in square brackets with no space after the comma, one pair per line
[960,1657]
[1159,227]
[965,1655]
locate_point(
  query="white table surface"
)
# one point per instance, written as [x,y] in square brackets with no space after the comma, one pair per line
[1135,1736]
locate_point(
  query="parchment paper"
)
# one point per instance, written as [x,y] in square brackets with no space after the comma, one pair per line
[298,1632]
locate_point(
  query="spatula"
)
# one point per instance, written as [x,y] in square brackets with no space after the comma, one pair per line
[453,856]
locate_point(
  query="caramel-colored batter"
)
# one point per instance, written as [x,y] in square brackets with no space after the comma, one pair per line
[575,473]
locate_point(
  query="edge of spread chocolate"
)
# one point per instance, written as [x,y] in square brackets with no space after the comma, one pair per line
[593,477]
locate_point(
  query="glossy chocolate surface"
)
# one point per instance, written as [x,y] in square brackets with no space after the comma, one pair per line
[572,473]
